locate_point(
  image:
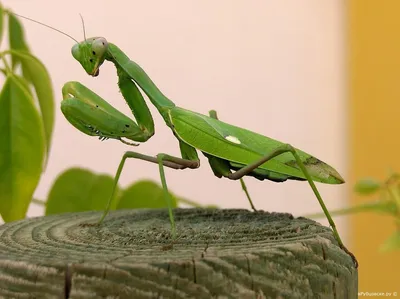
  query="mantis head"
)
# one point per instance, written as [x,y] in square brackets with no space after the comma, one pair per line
[91,54]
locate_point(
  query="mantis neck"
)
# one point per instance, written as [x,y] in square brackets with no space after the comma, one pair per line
[134,71]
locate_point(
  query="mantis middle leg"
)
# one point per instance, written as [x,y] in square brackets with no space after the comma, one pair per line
[189,160]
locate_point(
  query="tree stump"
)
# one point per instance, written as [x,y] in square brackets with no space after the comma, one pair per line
[217,254]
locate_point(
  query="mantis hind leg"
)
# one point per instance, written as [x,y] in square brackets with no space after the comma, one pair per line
[279,151]
[222,168]
[162,160]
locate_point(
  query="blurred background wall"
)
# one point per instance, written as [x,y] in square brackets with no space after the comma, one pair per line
[316,74]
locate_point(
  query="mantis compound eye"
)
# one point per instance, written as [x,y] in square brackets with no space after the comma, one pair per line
[76,53]
[99,46]
[98,49]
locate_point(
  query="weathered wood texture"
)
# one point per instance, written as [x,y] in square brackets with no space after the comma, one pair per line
[218,254]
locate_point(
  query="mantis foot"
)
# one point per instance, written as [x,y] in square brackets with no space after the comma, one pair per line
[351,254]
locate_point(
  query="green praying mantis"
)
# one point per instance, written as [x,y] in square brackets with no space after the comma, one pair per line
[232,152]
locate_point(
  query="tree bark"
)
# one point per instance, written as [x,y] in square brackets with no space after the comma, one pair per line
[217,254]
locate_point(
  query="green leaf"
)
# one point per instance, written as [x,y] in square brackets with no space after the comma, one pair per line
[392,243]
[41,81]
[16,37]
[1,22]
[21,148]
[367,186]
[144,194]
[77,190]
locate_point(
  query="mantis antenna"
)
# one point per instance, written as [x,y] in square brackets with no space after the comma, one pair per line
[83,25]
[55,29]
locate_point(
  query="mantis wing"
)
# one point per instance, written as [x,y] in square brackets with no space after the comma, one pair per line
[242,146]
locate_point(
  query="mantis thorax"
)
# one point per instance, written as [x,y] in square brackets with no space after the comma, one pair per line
[91,54]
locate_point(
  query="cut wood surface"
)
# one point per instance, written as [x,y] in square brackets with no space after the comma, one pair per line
[217,254]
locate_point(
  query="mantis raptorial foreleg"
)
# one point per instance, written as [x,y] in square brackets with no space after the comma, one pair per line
[162,160]
[136,103]
[94,116]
